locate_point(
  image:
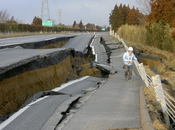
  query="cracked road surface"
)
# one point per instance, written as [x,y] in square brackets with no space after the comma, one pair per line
[36,114]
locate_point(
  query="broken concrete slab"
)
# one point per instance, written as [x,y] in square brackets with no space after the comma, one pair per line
[106,68]
[34,42]
[41,112]
[57,116]
[41,94]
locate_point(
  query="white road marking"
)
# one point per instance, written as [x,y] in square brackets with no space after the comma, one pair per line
[15,115]
[50,38]
[69,83]
[6,39]
[93,50]
[10,44]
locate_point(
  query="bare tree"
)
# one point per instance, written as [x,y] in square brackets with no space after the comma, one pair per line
[4,16]
[144,6]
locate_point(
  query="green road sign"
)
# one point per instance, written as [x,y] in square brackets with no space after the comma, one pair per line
[47,23]
[103,29]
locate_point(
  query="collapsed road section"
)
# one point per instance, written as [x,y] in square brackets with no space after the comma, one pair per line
[37,41]
[25,72]
[46,112]
[29,76]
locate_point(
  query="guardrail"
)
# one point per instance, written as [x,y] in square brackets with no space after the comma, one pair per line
[154,84]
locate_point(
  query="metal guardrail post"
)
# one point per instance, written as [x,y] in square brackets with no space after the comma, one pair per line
[115,35]
[136,63]
[143,74]
[160,97]
[156,83]
[118,38]
[124,44]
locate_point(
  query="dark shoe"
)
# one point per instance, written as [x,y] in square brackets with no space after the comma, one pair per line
[129,79]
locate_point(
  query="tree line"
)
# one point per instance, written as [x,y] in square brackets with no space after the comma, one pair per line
[123,14]
[8,24]
[87,26]
[156,28]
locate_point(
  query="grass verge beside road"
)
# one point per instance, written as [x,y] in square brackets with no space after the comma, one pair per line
[165,68]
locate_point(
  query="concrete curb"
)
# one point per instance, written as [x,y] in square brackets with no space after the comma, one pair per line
[146,122]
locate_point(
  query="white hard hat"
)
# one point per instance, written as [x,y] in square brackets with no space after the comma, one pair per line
[130,49]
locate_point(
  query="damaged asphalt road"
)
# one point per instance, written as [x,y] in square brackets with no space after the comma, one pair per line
[26,40]
[80,43]
[36,114]
[41,106]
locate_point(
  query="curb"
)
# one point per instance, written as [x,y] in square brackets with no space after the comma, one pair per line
[146,123]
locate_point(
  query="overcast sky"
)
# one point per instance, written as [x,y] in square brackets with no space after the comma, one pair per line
[90,11]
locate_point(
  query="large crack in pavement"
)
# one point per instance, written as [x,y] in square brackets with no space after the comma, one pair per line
[33,78]
[74,106]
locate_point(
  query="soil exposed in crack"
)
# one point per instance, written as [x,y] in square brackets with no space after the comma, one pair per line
[16,90]
[43,74]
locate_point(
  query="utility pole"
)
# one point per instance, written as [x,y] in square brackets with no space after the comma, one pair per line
[45,10]
[60,19]
[99,20]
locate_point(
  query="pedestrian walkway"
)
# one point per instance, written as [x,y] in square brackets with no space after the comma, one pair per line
[115,104]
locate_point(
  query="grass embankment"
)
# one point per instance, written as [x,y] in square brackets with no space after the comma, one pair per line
[138,37]
[165,66]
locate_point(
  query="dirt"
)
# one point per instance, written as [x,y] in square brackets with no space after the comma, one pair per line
[154,109]
[15,90]
[55,45]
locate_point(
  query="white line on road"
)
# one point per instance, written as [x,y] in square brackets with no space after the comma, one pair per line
[93,49]
[10,44]
[18,37]
[96,59]
[50,38]
[15,115]
[69,83]
[6,39]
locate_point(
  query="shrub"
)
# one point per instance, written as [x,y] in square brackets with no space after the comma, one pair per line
[2,27]
[14,27]
[132,33]
[159,35]
[155,34]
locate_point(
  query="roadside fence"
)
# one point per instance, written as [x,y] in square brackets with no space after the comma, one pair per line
[154,84]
